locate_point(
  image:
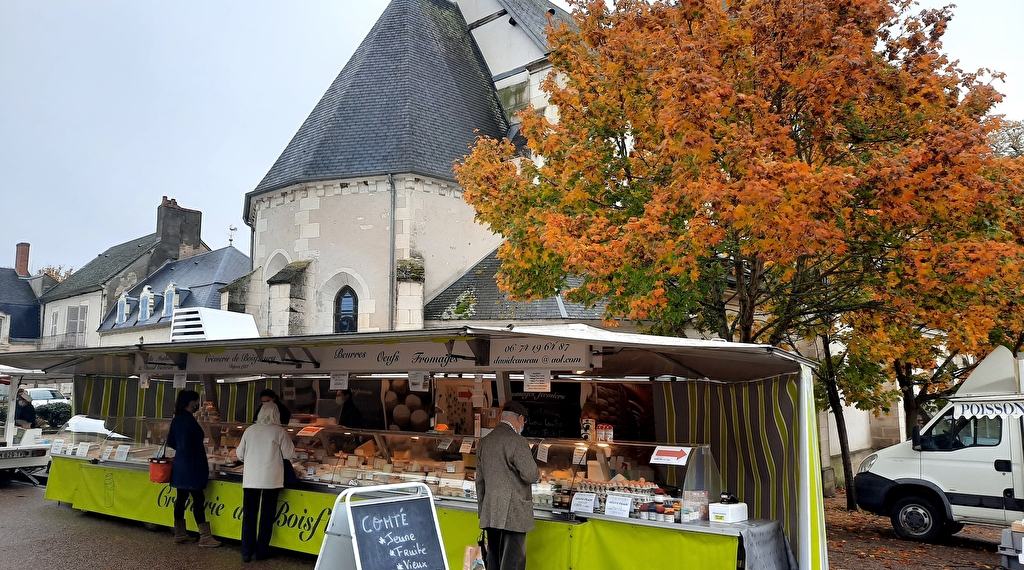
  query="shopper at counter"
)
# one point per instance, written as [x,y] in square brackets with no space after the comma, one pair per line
[269,395]
[190,471]
[505,472]
[262,448]
[25,415]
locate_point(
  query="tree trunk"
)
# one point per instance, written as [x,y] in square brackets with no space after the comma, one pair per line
[906,383]
[835,403]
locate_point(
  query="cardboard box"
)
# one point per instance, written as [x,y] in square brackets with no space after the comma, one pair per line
[719,512]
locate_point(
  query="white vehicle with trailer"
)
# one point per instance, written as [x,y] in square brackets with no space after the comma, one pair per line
[965,466]
[21,450]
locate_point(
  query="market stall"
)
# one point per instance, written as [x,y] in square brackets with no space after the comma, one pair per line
[702,417]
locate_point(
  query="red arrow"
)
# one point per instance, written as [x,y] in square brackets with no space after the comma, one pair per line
[677,453]
[465,394]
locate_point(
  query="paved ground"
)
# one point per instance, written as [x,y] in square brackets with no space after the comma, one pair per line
[40,534]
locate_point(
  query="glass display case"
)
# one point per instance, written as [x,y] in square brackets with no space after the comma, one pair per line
[672,487]
[97,438]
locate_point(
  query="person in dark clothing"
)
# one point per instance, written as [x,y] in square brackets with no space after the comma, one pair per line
[190,470]
[269,395]
[350,415]
[505,472]
[25,415]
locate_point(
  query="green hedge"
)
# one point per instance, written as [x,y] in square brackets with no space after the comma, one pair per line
[56,414]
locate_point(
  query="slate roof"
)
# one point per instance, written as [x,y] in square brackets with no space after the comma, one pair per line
[102,269]
[199,279]
[408,101]
[19,301]
[494,305]
[532,16]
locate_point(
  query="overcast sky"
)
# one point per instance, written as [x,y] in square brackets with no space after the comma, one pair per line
[108,105]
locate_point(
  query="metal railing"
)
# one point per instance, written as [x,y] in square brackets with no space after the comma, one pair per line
[67,340]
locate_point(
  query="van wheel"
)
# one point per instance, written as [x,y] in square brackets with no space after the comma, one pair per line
[915,518]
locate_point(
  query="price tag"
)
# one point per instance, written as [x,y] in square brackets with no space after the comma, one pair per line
[445,444]
[122,453]
[579,456]
[419,381]
[583,502]
[56,447]
[542,452]
[309,431]
[467,446]
[83,449]
[537,381]
[618,506]
[449,468]
[107,451]
[179,379]
[339,381]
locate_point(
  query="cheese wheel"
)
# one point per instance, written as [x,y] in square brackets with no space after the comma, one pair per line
[401,415]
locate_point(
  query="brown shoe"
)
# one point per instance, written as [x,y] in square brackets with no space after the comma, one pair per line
[206,539]
[180,534]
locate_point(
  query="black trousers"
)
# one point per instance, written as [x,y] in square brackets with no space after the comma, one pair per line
[198,505]
[259,509]
[506,550]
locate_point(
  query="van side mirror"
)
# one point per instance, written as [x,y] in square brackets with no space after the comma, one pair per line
[915,438]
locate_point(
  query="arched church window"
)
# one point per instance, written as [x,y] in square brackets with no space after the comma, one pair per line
[346,311]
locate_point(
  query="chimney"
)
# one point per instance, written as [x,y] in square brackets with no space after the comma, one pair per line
[21,260]
[179,232]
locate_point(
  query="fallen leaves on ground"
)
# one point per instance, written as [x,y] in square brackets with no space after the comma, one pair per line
[861,541]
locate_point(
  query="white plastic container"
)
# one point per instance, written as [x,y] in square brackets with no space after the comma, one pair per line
[723,513]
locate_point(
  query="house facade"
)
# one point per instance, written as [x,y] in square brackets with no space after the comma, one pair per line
[20,309]
[144,313]
[73,309]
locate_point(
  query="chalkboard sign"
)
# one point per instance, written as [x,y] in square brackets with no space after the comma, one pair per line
[393,527]
[397,534]
[552,414]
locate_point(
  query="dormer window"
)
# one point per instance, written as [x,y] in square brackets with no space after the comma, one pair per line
[170,299]
[123,308]
[145,304]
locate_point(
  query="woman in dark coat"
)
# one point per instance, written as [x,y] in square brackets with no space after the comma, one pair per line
[190,470]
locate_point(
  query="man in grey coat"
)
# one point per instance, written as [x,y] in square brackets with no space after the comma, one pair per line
[505,471]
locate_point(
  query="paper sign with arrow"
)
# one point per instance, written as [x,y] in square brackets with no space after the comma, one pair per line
[669,455]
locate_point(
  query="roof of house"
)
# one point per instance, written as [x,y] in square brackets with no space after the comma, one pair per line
[93,275]
[409,100]
[532,16]
[19,302]
[475,296]
[198,279]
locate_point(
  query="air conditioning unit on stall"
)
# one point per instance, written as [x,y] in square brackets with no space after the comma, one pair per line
[200,323]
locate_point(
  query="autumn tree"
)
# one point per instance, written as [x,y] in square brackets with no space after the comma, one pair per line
[56,272]
[761,171]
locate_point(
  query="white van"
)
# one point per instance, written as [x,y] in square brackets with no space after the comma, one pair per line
[21,450]
[965,466]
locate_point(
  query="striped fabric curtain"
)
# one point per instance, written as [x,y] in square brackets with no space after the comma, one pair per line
[751,428]
[123,405]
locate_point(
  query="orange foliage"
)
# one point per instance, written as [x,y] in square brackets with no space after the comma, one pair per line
[701,150]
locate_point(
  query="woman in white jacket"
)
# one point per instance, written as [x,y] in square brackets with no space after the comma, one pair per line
[262,448]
